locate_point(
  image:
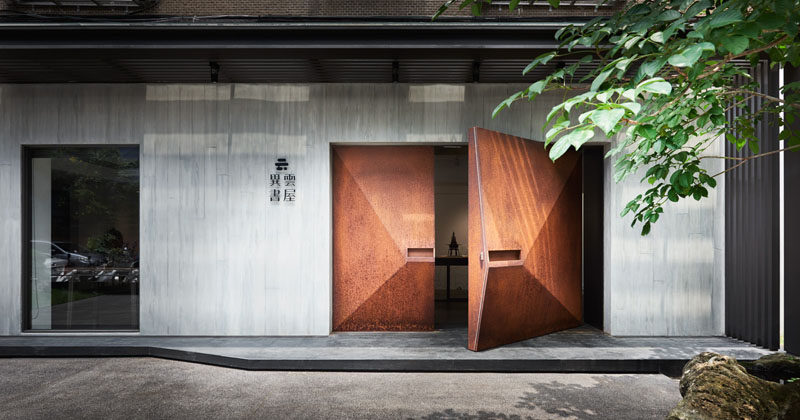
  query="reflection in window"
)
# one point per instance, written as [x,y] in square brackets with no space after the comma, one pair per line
[84,237]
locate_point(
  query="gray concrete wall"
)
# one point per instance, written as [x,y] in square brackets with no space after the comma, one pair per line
[218,259]
[670,282]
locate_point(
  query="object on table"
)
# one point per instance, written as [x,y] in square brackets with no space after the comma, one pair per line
[453,247]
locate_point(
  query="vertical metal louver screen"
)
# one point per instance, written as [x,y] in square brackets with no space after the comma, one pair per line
[791,210]
[752,264]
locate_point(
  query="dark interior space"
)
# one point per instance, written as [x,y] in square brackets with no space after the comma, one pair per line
[450,191]
[593,235]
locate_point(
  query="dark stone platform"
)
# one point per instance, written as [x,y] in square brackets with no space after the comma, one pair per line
[582,349]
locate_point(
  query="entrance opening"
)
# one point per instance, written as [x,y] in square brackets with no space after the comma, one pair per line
[450,201]
[401,223]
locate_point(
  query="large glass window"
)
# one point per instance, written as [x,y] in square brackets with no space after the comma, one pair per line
[83,237]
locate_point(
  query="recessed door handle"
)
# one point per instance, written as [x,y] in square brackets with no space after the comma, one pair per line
[505,258]
[420,255]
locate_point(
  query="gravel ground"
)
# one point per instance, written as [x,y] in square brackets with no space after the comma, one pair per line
[154,388]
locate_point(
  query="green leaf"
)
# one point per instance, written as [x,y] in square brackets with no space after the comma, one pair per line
[630,94]
[607,119]
[683,179]
[513,5]
[506,103]
[669,15]
[657,37]
[694,35]
[770,21]
[696,8]
[542,59]
[575,138]
[634,107]
[537,87]
[659,146]
[672,195]
[749,29]
[718,119]
[476,9]
[554,3]
[735,44]
[646,229]
[442,9]
[558,127]
[559,148]
[598,81]
[707,46]
[560,31]
[740,142]
[679,24]
[555,110]
[722,18]
[680,138]
[646,131]
[791,29]
[688,56]
[652,67]
[629,44]
[623,64]
[499,108]
[655,85]
[753,145]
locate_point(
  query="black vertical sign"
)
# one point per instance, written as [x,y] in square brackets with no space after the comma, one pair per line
[281,182]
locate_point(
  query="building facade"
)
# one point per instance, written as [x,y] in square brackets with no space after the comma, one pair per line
[145,165]
[217,258]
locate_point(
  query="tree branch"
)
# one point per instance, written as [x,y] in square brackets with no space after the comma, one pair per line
[748,158]
[730,57]
[767,97]
[737,103]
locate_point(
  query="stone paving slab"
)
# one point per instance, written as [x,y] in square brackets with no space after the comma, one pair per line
[151,388]
[580,349]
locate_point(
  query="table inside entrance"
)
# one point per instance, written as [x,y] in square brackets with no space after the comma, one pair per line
[449,262]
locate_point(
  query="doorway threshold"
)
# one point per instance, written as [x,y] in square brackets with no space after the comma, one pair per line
[583,349]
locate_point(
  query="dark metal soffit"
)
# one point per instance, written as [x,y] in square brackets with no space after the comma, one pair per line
[320,51]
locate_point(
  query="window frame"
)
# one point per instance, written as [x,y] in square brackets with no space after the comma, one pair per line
[26,152]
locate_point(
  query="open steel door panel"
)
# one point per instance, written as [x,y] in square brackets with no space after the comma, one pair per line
[524,240]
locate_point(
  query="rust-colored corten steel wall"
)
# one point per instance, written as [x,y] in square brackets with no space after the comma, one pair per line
[525,220]
[383,238]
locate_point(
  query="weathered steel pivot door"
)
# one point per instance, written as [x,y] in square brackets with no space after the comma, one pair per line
[383,238]
[524,240]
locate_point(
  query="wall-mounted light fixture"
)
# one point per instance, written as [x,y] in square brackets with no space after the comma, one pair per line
[214,66]
[476,71]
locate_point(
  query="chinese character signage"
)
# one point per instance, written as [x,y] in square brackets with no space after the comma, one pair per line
[281,182]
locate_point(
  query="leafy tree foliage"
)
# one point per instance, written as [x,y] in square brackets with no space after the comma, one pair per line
[664,74]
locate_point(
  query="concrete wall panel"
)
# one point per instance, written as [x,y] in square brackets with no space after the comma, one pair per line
[218,259]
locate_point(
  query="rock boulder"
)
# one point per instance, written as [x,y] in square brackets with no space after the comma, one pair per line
[714,386]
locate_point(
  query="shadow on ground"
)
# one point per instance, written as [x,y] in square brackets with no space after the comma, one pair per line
[585,397]
[451,414]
